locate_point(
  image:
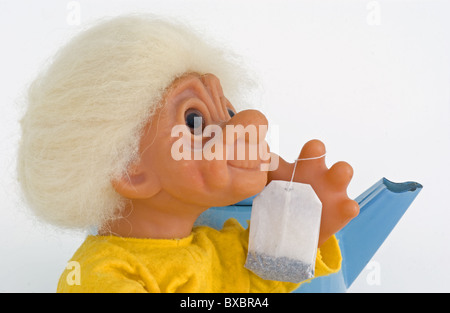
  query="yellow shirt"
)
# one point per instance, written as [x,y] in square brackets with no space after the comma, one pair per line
[206,261]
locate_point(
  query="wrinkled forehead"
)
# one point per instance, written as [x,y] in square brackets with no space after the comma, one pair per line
[205,87]
[179,88]
[196,81]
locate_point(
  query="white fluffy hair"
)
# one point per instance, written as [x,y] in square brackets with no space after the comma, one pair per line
[86,111]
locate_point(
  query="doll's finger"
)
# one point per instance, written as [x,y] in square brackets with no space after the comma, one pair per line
[349,209]
[312,149]
[336,216]
[339,175]
[311,161]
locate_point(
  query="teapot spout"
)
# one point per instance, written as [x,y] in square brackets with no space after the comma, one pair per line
[381,207]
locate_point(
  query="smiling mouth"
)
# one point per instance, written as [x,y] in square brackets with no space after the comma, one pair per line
[245,164]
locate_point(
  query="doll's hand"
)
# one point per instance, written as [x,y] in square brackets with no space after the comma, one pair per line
[330,186]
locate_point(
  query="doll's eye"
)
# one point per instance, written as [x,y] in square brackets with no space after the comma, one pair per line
[231,113]
[194,120]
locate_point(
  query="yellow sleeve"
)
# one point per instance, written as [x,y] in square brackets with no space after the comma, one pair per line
[328,261]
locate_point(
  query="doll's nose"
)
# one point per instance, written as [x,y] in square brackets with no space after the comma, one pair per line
[249,124]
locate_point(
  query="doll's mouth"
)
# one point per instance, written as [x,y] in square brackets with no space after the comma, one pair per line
[243,155]
[245,164]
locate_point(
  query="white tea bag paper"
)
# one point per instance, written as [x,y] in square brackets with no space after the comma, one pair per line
[284,232]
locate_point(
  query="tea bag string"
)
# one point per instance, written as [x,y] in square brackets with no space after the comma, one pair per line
[303,159]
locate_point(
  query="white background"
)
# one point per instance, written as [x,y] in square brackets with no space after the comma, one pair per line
[371,79]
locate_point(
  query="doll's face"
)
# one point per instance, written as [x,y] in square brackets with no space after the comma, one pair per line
[198,149]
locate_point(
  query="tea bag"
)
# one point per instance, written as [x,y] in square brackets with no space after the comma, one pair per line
[284,232]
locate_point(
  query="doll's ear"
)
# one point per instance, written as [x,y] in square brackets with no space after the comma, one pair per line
[136,183]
